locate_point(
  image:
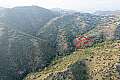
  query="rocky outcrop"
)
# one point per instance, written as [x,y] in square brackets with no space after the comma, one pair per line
[65,75]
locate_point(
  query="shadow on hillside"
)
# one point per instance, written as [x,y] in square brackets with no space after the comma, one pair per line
[80,70]
[117,32]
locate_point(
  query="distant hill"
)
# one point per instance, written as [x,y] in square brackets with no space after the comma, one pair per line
[117,12]
[63,11]
[28,19]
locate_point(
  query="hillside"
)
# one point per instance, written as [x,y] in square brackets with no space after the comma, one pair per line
[28,19]
[63,30]
[32,38]
[107,27]
[19,47]
[96,63]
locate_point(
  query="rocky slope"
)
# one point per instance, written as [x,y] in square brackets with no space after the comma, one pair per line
[96,63]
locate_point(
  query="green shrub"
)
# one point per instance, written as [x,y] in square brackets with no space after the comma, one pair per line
[88,51]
